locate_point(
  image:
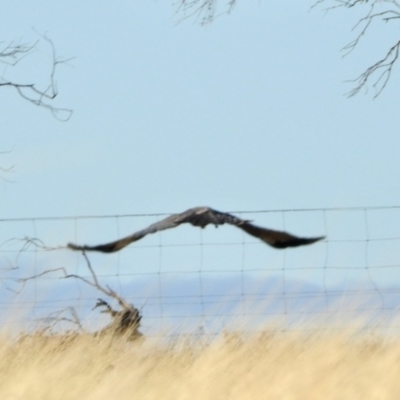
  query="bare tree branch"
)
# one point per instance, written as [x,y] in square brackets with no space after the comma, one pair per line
[25,244]
[378,73]
[383,66]
[12,54]
[55,318]
[125,322]
[204,11]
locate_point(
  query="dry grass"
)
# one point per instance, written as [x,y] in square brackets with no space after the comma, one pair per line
[267,366]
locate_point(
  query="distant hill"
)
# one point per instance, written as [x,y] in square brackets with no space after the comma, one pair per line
[210,302]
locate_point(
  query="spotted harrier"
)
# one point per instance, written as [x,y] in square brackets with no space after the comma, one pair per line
[203,216]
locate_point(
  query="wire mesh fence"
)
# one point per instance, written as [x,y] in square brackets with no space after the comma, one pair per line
[190,279]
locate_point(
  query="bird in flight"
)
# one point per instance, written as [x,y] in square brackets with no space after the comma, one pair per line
[203,216]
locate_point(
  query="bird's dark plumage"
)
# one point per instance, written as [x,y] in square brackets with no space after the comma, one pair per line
[203,216]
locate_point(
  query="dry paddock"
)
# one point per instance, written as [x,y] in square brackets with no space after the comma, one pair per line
[323,364]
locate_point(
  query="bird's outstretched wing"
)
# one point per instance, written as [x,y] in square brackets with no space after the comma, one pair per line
[167,223]
[277,239]
[203,216]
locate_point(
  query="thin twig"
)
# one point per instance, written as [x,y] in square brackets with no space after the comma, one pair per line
[204,11]
[12,54]
[125,321]
[382,69]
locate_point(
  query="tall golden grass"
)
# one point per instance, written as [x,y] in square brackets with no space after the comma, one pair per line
[268,365]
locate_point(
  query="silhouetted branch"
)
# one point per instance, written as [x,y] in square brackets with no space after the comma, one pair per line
[380,71]
[11,54]
[125,321]
[205,11]
[53,319]
[384,66]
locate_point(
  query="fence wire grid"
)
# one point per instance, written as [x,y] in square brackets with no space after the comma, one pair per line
[189,279]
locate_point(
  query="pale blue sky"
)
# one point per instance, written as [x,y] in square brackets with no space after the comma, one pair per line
[248,113]
[245,114]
